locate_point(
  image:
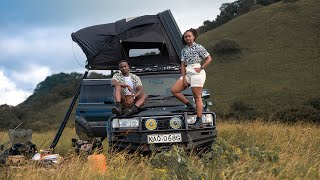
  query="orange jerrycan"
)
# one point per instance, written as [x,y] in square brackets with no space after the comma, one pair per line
[98,162]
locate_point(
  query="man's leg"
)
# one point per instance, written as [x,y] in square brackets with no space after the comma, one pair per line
[118,99]
[139,101]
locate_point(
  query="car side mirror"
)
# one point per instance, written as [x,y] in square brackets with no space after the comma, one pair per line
[205,94]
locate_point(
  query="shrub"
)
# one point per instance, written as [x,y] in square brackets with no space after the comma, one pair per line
[289,1]
[177,164]
[226,47]
[225,155]
[241,110]
[298,113]
[315,103]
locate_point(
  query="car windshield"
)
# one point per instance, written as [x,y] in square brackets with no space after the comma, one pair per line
[160,84]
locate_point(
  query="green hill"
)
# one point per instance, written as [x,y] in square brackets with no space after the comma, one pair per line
[280,62]
[47,106]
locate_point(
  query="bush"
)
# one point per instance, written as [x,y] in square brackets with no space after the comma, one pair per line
[241,110]
[177,165]
[315,103]
[298,113]
[225,155]
[226,47]
[289,1]
[8,118]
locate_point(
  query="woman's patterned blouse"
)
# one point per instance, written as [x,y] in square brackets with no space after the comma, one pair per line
[193,54]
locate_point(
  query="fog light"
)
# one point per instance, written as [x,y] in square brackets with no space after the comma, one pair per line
[175,123]
[151,124]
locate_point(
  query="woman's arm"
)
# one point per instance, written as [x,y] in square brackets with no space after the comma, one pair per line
[183,73]
[183,69]
[207,61]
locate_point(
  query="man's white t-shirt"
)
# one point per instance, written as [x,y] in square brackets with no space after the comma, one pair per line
[129,82]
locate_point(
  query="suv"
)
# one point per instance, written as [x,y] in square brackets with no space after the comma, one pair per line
[163,121]
[152,46]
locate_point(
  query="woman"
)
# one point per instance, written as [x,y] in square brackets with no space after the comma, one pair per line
[193,73]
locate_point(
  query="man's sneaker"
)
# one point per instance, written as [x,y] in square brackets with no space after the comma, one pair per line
[197,124]
[117,109]
[130,111]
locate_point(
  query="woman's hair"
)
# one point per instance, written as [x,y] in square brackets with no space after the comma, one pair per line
[193,31]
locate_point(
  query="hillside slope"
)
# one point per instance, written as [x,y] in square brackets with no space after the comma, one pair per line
[280,61]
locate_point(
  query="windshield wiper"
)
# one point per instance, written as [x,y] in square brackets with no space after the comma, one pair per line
[151,96]
[188,94]
[163,97]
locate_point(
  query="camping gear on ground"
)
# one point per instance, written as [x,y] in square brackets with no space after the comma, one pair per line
[16,160]
[22,148]
[46,158]
[87,147]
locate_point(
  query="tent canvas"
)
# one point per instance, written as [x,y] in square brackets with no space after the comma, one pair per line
[104,45]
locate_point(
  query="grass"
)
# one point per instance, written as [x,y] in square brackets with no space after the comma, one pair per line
[280,58]
[244,150]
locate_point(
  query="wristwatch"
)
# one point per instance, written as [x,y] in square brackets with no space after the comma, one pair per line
[201,67]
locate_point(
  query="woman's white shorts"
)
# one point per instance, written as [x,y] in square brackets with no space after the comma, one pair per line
[193,78]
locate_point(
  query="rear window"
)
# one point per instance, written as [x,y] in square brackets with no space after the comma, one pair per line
[143,52]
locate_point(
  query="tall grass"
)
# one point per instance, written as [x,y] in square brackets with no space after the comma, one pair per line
[244,150]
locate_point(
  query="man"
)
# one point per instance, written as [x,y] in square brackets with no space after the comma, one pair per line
[128,91]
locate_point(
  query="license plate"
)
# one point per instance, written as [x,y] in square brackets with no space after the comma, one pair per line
[164,138]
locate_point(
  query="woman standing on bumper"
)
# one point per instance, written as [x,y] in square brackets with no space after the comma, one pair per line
[193,73]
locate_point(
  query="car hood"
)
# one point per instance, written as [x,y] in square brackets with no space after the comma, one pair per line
[162,110]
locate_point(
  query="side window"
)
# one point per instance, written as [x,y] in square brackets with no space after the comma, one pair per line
[96,93]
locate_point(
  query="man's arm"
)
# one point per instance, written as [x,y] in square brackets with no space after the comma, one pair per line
[116,83]
[123,85]
[139,91]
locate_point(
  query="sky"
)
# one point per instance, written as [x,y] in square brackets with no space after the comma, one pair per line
[35,35]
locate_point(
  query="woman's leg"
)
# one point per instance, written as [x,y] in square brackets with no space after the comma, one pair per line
[197,93]
[176,91]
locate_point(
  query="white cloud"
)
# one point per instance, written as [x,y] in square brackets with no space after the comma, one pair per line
[37,42]
[32,74]
[9,93]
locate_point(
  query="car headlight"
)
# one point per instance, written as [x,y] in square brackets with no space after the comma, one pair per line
[115,123]
[125,123]
[151,124]
[206,118]
[191,119]
[175,123]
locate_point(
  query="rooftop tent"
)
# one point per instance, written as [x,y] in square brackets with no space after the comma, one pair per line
[157,36]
